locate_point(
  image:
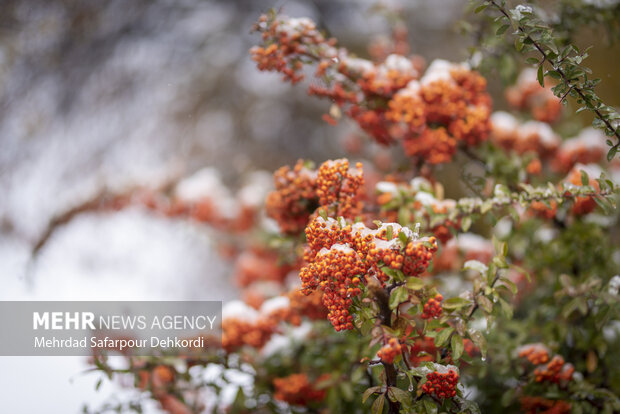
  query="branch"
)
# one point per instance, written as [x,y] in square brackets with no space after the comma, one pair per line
[470,206]
[104,199]
[469,315]
[585,92]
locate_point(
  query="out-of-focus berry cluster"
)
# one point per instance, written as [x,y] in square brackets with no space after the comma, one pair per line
[555,371]
[389,351]
[430,115]
[581,205]
[335,187]
[540,405]
[528,95]
[296,389]
[242,325]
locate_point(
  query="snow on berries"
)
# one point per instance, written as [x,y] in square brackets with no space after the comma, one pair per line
[341,257]
[535,353]
[441,382]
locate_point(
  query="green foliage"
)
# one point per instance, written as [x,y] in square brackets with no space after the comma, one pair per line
[555,54]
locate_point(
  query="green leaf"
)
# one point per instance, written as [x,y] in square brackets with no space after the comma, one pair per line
[389,232]
[485,303]
[481,8]
[398,296]
[502,29]
[389,271]
[486,206]
[430,407]
[540,76]
[323,214]
[510,284]
[476,265]
[442,336]
[347,390]
[455,303]
[377,406]
[466,223]
[480,341]
[500,262]
[508,397]
[414,283]
[396,394]
[403,238]
[518,44]
[457,347]
[585,180]
[403,216]
[577,303]
[506,308]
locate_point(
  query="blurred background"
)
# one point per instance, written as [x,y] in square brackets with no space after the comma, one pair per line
[100,97]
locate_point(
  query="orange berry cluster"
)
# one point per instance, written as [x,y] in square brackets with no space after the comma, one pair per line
[296,389]
[294,198]
[340,256]
[533,136]
[237,333]
[528,95]
[555,371]
[587,147]
[432,308]
[455,108]
[447,107]
[287,41]
[335,187]
[160,381]
[412,260]
[256,264]
[310,306]
[387,99]
[535,353]
[382,46]
[541,210]
[256,328]
[540,405]
[583,205]
[338,186]
[441,385]
[321,233]
[333,272]
[423,349]
[390,351]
